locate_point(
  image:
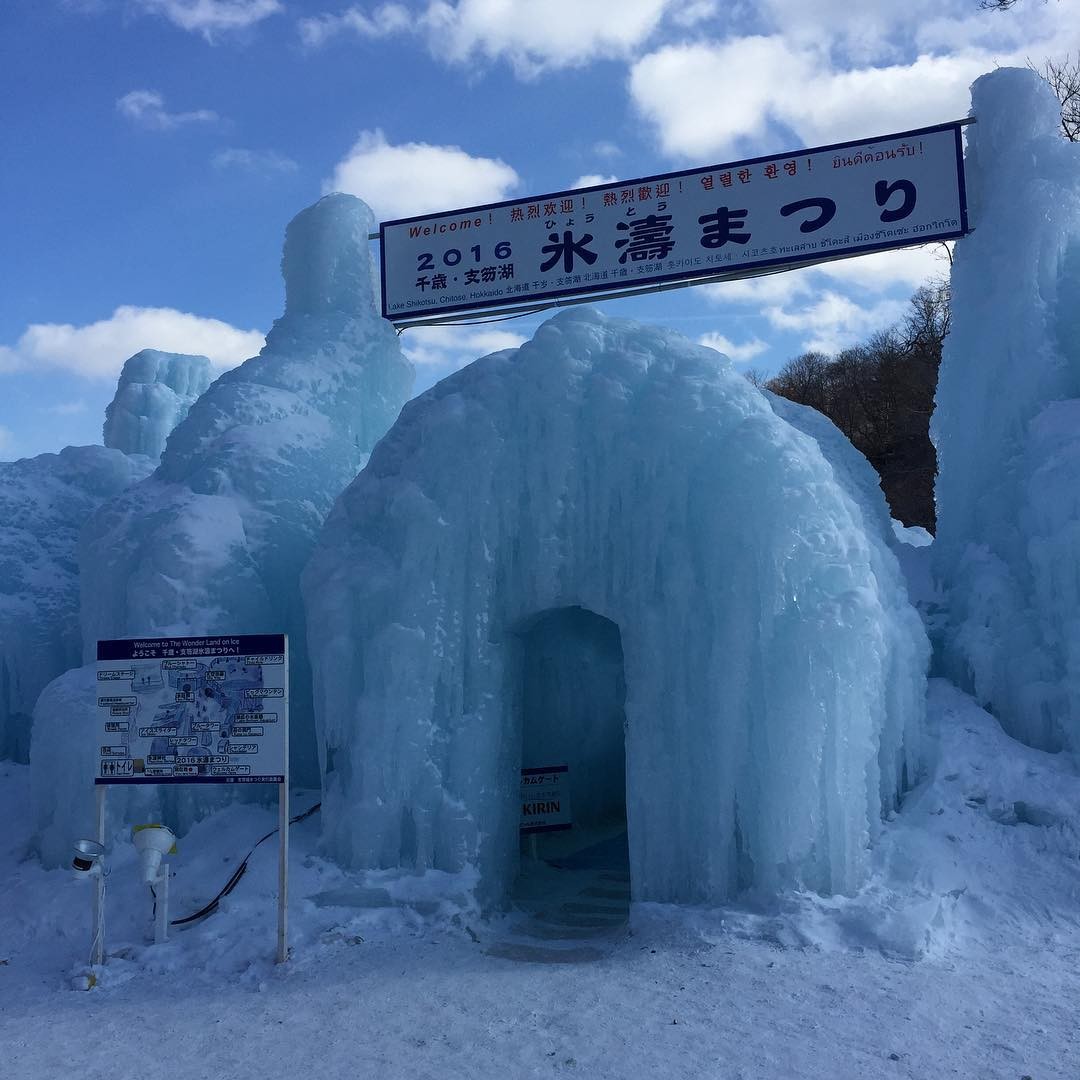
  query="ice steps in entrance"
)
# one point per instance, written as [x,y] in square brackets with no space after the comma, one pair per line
[538,954]
[603,893]
[573,907]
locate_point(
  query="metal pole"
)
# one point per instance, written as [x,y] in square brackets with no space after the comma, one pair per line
[283,871]
[97,952]
[283,841]
[161,899]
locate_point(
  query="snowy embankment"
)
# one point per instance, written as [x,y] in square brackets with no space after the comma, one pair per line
[959,958]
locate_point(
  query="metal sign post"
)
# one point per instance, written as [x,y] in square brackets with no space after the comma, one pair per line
[283,840]
[97,950]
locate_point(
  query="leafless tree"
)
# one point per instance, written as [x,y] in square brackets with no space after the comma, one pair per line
[1062,75]
[881,395]
[1064,79]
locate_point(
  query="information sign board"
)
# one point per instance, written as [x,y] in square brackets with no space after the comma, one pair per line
[733,220]
[545,799]
[208,710]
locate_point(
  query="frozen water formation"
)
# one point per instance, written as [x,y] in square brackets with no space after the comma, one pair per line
[44,501]
[155,392]
[215,540]
[607,549]
[1007,420]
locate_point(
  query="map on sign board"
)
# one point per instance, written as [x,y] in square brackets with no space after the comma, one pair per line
[545,799]
[733,220]
[211,710]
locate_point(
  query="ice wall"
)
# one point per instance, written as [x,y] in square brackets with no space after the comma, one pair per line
[1005,422]
[773,669]
[215,540]
[155,392]
[44,501]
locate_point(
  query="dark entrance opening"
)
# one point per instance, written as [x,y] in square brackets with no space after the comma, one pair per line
[572,707]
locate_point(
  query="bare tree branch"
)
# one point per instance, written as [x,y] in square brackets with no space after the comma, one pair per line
[881,395]
[1064,79]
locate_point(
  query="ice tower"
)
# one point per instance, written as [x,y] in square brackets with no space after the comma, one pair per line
[215,540]
[155,392]
[1007,420]
[607,549]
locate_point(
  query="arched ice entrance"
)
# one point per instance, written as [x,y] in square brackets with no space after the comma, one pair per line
[571,701]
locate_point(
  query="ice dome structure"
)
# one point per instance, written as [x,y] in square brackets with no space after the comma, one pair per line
[214,541]
[155,392]
[1007,420]
[606,549]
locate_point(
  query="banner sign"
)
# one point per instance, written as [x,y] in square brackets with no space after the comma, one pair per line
[209,710]
[731,220]
[545,799]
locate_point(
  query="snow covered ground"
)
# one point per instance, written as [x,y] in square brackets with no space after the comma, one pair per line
[961,957]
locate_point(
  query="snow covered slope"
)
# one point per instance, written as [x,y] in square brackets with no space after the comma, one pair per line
[959,958]
[774,670]
[44,502]
[214,541]
[1006,420]
[155,392]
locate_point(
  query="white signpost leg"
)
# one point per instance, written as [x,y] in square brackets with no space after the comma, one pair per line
[97,951]
[283,871]
[161,911]
[283,838]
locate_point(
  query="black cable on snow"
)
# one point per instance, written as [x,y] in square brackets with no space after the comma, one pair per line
[238,873]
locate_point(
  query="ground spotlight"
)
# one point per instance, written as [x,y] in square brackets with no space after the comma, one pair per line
[88,857]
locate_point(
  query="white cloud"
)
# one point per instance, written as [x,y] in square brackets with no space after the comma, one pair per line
[878,100]
[9,359]
[256,161]
[592,180]
[871,29]
[386,19]
[708,101]
[833,322]
[67,408]
[694,12]
[808,302]
[906,268]
[7,441]
[417,178]
[703,98]
[535,37]
[147,109]
[98,350]
[532,37]
[878,273]
[439,350]
[606,149]
[212,17]
[765,290]
[740,353]
[879,32]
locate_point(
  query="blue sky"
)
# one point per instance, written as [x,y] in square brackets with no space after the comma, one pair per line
[154,150]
